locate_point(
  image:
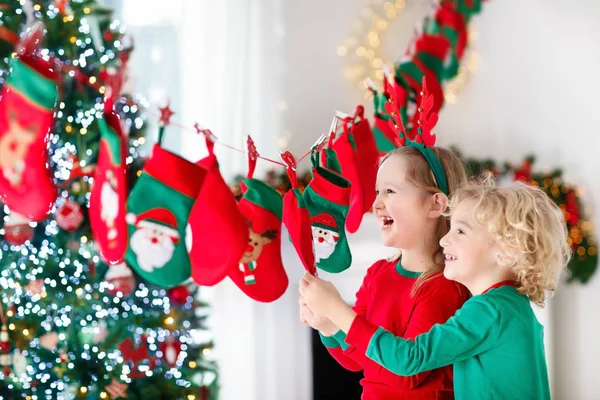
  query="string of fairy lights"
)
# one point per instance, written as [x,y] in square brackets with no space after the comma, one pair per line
[362,50]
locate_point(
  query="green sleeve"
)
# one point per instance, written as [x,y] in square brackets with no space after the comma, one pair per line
[340,337]
[473,330]
[329,341]
[334,341]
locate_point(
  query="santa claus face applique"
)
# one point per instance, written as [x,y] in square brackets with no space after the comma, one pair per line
[109,199]
[14,146]
[155,238]
[325,236]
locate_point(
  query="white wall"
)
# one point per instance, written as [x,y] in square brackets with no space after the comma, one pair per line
[535,92]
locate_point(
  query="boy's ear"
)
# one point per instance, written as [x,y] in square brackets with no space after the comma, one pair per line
[506,260]
[439,203]
[503,258]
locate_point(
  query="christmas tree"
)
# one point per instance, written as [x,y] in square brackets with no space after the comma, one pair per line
[73,326]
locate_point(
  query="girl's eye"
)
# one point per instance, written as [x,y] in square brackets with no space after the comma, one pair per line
[460,231]
[377,192]
[389,191]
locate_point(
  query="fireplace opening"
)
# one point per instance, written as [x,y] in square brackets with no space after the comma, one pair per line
[331,381]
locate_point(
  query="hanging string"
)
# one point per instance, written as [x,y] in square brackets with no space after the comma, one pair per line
[102,87]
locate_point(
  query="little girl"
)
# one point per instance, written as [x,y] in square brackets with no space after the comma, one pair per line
[507,246]
[409,294]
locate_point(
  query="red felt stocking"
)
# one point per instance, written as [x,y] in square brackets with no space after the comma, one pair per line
[219,232]
[109,192]
[26,117]
[296,218]
[368,156]
[261,275]
[347,152]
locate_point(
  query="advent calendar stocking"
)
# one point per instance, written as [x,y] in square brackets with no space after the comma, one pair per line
[219,232]
[158,209]
[347,153]
[26,118]
[327,197]
[260,275]
[109,192]
[296,218]
[368,156]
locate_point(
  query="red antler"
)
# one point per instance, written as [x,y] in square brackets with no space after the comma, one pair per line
[391,107]
[427,118]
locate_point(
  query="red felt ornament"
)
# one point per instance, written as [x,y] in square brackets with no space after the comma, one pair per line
[17,230]
[170,349]
[117,389]
[121,278]
[137,356]
[69,216]
[165,114]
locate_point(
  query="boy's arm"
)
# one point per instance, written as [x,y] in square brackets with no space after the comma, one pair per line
[473,330]
[337,350]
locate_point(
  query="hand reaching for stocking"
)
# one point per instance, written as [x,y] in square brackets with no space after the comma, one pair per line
[322,324]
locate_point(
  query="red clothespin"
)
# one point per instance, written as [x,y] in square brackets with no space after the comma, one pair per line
[252,157]
[290,162]
[208,137]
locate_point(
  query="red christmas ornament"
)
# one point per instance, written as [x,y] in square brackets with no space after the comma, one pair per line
[137,356]
[523,174]
[572,208]
[204,392]
[117,389]
[121,278]
[69,216]
[92,268]
[17,229]
[179,295]
[61,5]
[35,286]
[170,350]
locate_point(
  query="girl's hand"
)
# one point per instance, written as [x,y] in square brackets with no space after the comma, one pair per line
[320,296]
[322,324]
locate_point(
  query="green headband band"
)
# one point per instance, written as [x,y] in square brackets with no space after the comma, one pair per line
[434,163]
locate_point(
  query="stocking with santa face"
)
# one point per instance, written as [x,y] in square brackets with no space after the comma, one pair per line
[109,194]
[158,210]
[327,198]
[261,275]
[26,117]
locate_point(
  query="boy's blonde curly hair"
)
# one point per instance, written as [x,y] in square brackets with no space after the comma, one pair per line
[529,228]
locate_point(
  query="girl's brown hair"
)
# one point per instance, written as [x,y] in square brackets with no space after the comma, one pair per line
[419,173]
